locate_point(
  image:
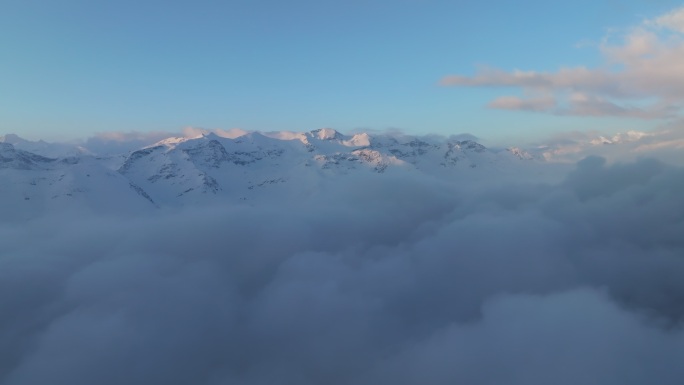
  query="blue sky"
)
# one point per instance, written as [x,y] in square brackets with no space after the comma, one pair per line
[74,68]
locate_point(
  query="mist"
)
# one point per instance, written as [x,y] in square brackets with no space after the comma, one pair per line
[373,280]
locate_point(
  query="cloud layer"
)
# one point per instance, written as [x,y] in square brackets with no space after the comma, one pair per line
[642,77]
[381,280]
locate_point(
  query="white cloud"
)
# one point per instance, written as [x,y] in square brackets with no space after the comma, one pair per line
[529,104]
[117,142]
[664,143]
[380,280]
[122,142]
[194,132]
[673,20]
[642,77]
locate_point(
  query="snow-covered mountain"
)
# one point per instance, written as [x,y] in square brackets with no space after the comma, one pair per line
[665,144]
[31,184]
[256,165]
[44,148]
[249,168]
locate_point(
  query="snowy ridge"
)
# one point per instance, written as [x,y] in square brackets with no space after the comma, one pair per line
[32,184]
[249,167]
[182,170]
[50,150]
[10,157]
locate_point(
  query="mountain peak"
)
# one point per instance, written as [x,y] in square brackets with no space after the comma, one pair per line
[359,140]
[471,145]
[326,134]
[169,143]
[11,139]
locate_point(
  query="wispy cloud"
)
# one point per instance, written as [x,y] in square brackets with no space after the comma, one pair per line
[673,20]
[664,143]
[529,104]
[116,142]
[642,77]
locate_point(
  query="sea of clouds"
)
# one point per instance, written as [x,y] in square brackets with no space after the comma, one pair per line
[382,280]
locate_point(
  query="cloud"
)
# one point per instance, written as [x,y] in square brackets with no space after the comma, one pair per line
[673,20]
[110,143]
[580,104]
[115,142]
[571,337]
[664,143]
[642,77]
[194,132]
[516,103]
[384,280]
[572,78]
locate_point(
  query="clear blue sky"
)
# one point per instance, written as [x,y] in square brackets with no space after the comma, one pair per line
[72,68]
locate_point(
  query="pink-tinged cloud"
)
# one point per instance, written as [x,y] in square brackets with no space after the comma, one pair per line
[648,65]
[673,20]
[121,136]
[515,103]
[579,104]
[194,132]
[575,79]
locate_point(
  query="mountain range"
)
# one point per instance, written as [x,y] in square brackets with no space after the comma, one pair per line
[178,171]
[246,168]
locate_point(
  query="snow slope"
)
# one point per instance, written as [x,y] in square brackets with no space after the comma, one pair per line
[246,169]
[32,184]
